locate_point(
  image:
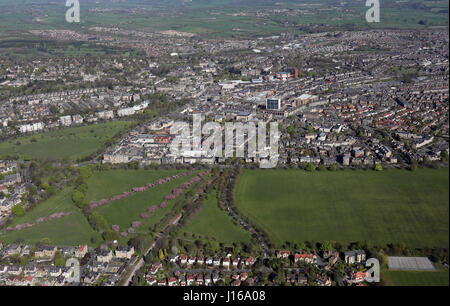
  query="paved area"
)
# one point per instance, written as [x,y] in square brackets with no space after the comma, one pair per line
[410,263]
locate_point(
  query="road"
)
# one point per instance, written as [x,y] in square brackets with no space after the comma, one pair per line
[141,262]
[159,236]
[214,270]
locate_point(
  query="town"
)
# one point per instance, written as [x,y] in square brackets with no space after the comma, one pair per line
[334,108]
[92,194]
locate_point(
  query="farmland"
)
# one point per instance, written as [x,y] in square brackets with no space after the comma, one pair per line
[348,206]
[209,18]
[70,143]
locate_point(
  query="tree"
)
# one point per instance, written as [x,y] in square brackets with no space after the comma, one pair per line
[18,210]
[326,246]
[98,222]
[45,241]
[110,235]
[59,260]
[138,243]
[333,167]
[444,156]
[79,199]
[85,172]
[310,167]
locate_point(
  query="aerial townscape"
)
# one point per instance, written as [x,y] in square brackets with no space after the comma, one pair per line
[94,193]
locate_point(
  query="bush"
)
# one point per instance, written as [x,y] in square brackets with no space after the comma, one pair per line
[79,199]
[110,235]
[98,222]
[18,210]
[59,260]
[333,167]
[444,156]
[310,167]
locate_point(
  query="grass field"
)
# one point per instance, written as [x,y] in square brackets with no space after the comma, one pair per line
[211,221]
[71,143]
[75,229]
[207,18]
[123,212]
[349,206]
[413,278]
[67,231]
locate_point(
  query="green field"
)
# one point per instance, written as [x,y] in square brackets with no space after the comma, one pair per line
[211,19]
[211,221]
[67,231]
[123,212]
[414,278]
[71,143]
[75,229]
[349,206]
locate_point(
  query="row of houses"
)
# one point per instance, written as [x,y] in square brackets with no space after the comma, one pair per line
[226,262]
[350,257]
[199,279]
[122,252]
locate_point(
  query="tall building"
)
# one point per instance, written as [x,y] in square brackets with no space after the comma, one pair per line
[284,76]
[293,72]
[273,104]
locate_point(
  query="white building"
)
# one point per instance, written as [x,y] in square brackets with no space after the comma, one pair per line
[77,119]
[141,106]
[31,127]
[66,120]
[105,115]
[126,112]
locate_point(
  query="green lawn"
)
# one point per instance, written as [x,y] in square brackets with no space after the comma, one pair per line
[72,143]
[416,278]
[349,206]
[105,184]
[123,212]
[67,231]
[211,221]
[75,229]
